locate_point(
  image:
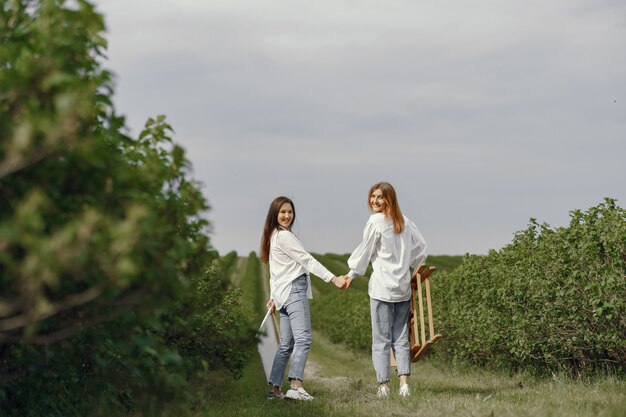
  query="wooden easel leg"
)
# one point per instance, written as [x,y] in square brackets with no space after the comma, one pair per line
[431,327]
[421,305]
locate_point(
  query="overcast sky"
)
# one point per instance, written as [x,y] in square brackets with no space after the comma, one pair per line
[481,113]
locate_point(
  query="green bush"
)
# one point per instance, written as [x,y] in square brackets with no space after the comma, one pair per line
[344,316]
[209,327]
[227,265]
[553,299]
[101,235]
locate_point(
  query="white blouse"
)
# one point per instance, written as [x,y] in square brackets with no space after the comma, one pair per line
[391,255]
[288,260]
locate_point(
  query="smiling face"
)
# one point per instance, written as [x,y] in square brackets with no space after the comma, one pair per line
[377,201]
[285,215]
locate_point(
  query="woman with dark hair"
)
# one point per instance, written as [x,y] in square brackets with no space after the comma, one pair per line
[290,290]
[393,244]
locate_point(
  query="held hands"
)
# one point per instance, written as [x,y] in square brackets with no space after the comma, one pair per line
[348,281]
[270,305]
[342,281]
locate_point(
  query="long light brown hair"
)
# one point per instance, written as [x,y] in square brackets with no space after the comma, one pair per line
[392,208]
[271,224]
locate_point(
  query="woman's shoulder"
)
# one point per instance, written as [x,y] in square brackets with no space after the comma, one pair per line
[283,235]
[378,220]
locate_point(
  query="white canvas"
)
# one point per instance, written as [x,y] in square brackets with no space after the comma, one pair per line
[268,342]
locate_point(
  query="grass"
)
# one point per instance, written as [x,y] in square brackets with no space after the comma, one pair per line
[344,385]
[251,285]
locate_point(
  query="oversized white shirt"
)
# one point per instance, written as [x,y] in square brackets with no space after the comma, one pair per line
[288,260]
[391,255]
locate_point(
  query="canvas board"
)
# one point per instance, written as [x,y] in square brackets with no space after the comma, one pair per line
[268,342]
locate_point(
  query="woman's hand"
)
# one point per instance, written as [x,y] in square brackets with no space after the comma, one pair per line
[348,282]
[341,282]
[270,305]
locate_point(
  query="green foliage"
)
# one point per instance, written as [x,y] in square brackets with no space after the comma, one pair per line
[209,327]
[251,285]
[444,262]
[553,299]
[102,241]
[227,267]
[343,316]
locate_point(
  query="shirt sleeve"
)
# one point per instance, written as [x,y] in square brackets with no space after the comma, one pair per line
[362,255]
[418,245]
[292,247]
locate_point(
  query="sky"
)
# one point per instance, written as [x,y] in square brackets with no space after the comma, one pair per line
[481,113]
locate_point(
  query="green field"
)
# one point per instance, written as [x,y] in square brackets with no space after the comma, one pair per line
[341,376]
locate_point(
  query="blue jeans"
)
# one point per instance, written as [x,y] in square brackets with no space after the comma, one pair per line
[295,334]
[390,330]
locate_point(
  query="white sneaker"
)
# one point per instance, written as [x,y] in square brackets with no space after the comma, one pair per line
[405,391]
[383,391]
[298,394]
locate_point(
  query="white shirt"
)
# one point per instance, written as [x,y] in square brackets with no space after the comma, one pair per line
[391,255]
[288,260]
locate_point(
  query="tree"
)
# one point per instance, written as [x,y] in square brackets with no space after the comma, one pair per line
[100,233]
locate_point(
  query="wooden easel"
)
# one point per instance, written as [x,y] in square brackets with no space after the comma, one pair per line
[419,348]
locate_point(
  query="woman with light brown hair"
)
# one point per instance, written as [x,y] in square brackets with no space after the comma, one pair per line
[393,244]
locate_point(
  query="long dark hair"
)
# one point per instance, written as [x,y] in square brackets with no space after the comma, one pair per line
[392,208]
[271,224]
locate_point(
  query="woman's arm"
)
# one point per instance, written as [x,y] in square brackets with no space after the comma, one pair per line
[361,256]
[290,244]
[418,245]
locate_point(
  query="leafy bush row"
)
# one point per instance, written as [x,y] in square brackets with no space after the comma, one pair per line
[343,316]
[104,286]
[227,267]
[209,327]
[553,299]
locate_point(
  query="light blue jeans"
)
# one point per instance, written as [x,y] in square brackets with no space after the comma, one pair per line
[295,334]
[390,330]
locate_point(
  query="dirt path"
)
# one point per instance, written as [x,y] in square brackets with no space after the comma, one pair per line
[332,367]
[314,373]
